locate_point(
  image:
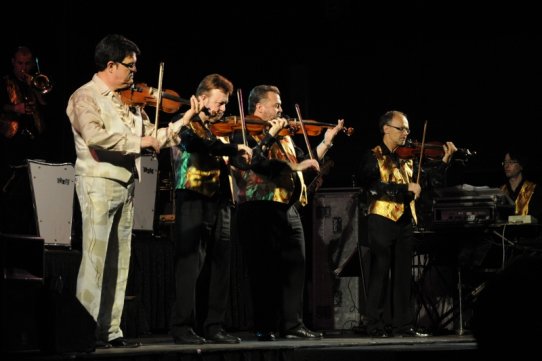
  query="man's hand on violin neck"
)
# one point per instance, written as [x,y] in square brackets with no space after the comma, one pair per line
[277,125]
[449,150]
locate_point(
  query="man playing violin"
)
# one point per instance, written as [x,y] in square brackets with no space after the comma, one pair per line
[391,195]
[203,200]
[110,137]
[270,227]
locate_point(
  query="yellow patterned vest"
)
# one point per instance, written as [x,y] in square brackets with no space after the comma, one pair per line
[390,173]
[523,198]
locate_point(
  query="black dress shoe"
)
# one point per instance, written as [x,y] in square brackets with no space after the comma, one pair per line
[413,332]
[189,337]
[302,332]
[389,330]
[265,336]
[121,342]
[378,332]
[222,337]
[103,344]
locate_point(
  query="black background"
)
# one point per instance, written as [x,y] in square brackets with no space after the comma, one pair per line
[471,70]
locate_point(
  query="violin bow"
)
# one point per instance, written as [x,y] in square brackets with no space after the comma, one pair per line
[158,99]
[298,111]
[421,153]
[242,116]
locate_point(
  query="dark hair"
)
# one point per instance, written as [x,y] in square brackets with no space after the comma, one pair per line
[113,47]
[387,117]
[258,93]
[214,81]
[519,155]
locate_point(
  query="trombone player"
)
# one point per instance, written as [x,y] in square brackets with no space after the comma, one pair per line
[21,131]
[22,96]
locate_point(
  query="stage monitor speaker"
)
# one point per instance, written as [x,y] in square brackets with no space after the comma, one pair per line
[53,191]
[334,300]
[21,290]
[145,194]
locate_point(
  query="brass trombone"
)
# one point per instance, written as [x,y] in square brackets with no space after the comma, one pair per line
[39,81]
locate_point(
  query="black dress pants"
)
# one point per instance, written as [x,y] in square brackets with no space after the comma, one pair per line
[202,262]
[390,273]
[272,236]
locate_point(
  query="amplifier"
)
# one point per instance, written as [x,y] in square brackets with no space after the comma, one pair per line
[53,190]
[333,301]
[145,194]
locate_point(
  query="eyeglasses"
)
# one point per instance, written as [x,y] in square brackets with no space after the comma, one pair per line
[130,66]
[401,129]
[509,162]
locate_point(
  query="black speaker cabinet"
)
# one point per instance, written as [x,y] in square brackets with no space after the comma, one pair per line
[66,326]
[21,290]
[333,300]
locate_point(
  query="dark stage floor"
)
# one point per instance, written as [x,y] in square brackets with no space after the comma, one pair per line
[334,347]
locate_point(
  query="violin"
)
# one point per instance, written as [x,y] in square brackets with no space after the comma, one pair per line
[141,95]
[230,124]
[256,126]
[431,151]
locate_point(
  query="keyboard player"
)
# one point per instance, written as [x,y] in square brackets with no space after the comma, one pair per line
[522,191]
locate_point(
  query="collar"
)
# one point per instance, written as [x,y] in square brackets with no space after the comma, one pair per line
[101,86]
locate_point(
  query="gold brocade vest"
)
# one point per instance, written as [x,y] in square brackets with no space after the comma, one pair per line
[282,190]
[390,173]
[523,198]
